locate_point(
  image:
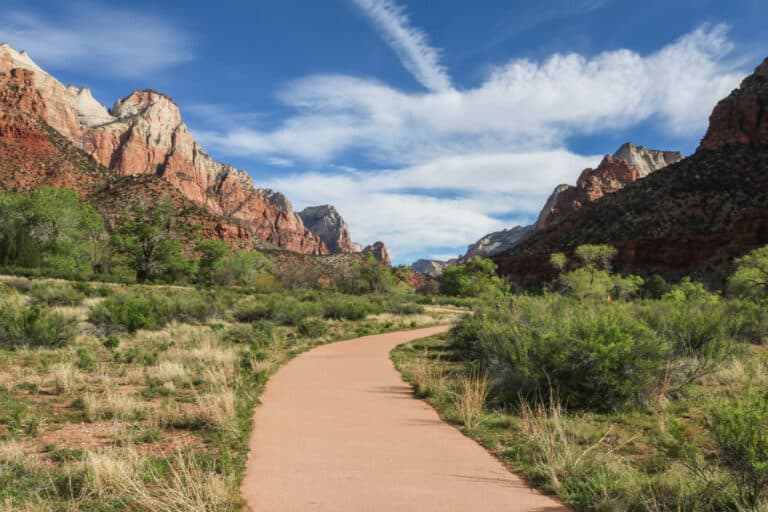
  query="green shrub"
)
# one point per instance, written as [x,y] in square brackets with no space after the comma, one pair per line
[56,294]
[34,326]
[136,309]
[593,356]
[85,360]
[340,307]
[750,281]
[313,327]
[740,429]
[111,342]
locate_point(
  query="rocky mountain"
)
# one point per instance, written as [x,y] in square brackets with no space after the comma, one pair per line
[494,243]
[644,160]
[627,165]
[143,134]
[326,223]
[33,154]
[432,268]
[689,218]
[379,251]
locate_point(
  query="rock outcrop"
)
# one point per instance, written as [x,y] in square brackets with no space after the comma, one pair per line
[690,218]
[326,223]
[143,134]
[627,165]
[432,268]
[494,243]
[379,251]
[644,160]
[742,117]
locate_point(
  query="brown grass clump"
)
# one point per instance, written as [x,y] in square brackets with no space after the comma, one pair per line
[428,376]
[470,398]
[66,377]
[111,405]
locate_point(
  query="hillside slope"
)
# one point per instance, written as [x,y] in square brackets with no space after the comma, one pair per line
[690,218]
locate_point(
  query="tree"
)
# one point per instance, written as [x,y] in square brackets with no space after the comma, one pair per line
[471,279]
[368,276]
[49,228]
[147,235]
[211,252]
[751,277]
[596,256]
[558,260]
[241,268]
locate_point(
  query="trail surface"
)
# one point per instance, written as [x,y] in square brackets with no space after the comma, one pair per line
[339,431]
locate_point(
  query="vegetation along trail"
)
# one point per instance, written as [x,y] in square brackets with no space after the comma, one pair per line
[339,430]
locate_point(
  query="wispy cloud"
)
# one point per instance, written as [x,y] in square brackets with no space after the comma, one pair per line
[467,162]
[446,203]
[410,43]
[118,42]
[523,105]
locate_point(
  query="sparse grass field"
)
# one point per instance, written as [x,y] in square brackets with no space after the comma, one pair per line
[140,398]
[658,457]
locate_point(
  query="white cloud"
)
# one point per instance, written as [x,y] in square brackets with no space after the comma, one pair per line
[118,42]
[521,105]
[410,44]
[470,158]
[402,206]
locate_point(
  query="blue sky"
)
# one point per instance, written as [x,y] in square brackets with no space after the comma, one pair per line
[428,124]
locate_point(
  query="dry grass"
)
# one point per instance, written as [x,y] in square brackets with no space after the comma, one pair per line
[168,371]
[66,377]
[188,487]
[111,405]
[110,473]
[185,487]
[428,375]
[215,409]
[470,398]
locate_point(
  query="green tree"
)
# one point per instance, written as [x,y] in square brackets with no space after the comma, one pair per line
[595,258]
[50,228]
[471,279]
[147,236]
[241,268]
[751,277]
[211,252]
[558,260]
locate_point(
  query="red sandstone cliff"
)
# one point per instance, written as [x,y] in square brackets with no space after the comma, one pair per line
[143,134]
[742,117]
[690,218]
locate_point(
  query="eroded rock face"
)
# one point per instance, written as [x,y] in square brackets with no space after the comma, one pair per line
[432,268]
[326,223]
[644,160]
[494,243]
[143,134]
[379,251]
[627,165]
[742,117]
[690,219]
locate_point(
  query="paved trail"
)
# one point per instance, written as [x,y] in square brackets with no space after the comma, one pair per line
[339,431]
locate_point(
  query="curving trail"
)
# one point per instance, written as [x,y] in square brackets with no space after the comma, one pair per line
[340,431]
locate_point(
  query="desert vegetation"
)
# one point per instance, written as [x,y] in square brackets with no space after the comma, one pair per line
[613,392]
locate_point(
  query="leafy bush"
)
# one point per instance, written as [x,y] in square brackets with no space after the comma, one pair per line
[594,357]
[740,428]
[34,326]
[259,334]
[750,280]
[56,294]
[137,309]
[350,308]
[241,268]
[472,279]
[313,327]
